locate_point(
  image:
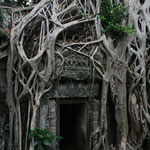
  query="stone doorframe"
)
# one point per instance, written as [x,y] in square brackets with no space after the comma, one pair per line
[49,116]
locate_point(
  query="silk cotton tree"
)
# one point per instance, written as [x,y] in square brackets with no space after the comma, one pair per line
[40,38]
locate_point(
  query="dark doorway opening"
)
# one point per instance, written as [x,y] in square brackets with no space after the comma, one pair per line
[73,126]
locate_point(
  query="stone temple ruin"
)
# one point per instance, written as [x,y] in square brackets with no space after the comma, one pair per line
[67,75]
[71,109]
[67,110]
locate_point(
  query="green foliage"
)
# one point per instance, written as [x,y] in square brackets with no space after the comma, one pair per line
[3,35]
[43,138]
[112,16]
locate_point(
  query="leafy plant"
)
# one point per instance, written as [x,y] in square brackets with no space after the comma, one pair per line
[112,16]
[3,35]
[43,138]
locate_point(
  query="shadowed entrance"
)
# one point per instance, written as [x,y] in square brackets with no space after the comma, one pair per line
[72,126]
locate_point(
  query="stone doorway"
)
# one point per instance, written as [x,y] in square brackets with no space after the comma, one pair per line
[75,119]
[72,126]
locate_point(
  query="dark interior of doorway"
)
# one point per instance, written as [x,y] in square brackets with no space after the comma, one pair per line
[72,126]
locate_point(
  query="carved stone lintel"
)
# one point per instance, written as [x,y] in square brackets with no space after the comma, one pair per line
[76,67]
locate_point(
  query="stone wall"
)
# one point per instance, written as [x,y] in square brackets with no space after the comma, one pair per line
[3,105]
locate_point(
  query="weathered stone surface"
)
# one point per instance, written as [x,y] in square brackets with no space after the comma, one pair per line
[48,117]
[94,116]
[2,80]
[70,88]
[3,105]
[76,67]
